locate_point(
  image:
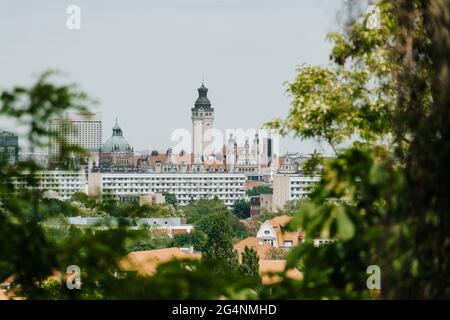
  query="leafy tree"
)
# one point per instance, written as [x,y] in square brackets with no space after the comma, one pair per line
[148,240]
[28,251]
[83,198]
[256,191]
[219,242]
[250,263]
[170,198]
[383,196]
[202,208]
[197,239]
[241,209]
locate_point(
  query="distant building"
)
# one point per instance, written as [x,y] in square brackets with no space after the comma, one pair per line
[143,164]
[202,122]
[260,203]
[152,199]
[146,262]
[289,187]
[170,225]
[116,154]
[274,232]
[266,159]
[81,129]
[269,271]
[261,247]
[40,159]
[9,147]
[187,187]
[58,184]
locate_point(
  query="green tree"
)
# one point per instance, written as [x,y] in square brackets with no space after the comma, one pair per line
[170,198]
[197,239]
[219,241]
[241,209]
[202,208]
[256,191]
[84,199]
[382,196]
[148,240]
[250,263]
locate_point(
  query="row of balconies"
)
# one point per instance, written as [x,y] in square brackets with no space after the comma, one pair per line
[174,184]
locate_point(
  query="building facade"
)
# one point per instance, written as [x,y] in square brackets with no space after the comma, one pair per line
[274,233]
[9,148]
[289,187]
[202,123]
[261,203]
[187,187]
[116,154]
[76,128]
[152,199]
[57,184]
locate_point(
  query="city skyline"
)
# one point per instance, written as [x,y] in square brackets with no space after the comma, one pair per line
[134,84]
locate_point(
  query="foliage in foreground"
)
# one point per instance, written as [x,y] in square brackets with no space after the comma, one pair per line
[384,198]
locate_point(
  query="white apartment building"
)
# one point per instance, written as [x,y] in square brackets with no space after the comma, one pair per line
[58,184]
[187,187]
[288,187]
[81,129]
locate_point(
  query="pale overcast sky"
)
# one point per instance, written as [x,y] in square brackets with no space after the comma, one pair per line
[144,60]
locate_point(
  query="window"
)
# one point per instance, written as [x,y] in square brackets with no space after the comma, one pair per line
[288,244]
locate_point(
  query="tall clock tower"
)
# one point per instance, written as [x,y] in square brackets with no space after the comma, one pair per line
[202,122]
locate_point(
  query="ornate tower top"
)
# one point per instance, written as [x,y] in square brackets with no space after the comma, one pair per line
[202,100]
[117,131]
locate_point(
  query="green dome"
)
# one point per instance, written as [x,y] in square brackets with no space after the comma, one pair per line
[117,143]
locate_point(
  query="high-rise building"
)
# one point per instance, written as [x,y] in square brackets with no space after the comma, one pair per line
[202,122]
[77,128]
[267,151]
[9,147]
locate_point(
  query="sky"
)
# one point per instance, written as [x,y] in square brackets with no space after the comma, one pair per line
[144,60]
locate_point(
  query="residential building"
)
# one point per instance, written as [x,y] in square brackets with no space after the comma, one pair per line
[57,183]
[274,232]
[261,247]
[9,147]
[169,225]
[260,203]
[146,262]
[270,270]
[289,187]
[187,187]
[151,199]
[76,128]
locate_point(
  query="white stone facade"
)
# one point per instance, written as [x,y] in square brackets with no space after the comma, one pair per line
[202,124]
